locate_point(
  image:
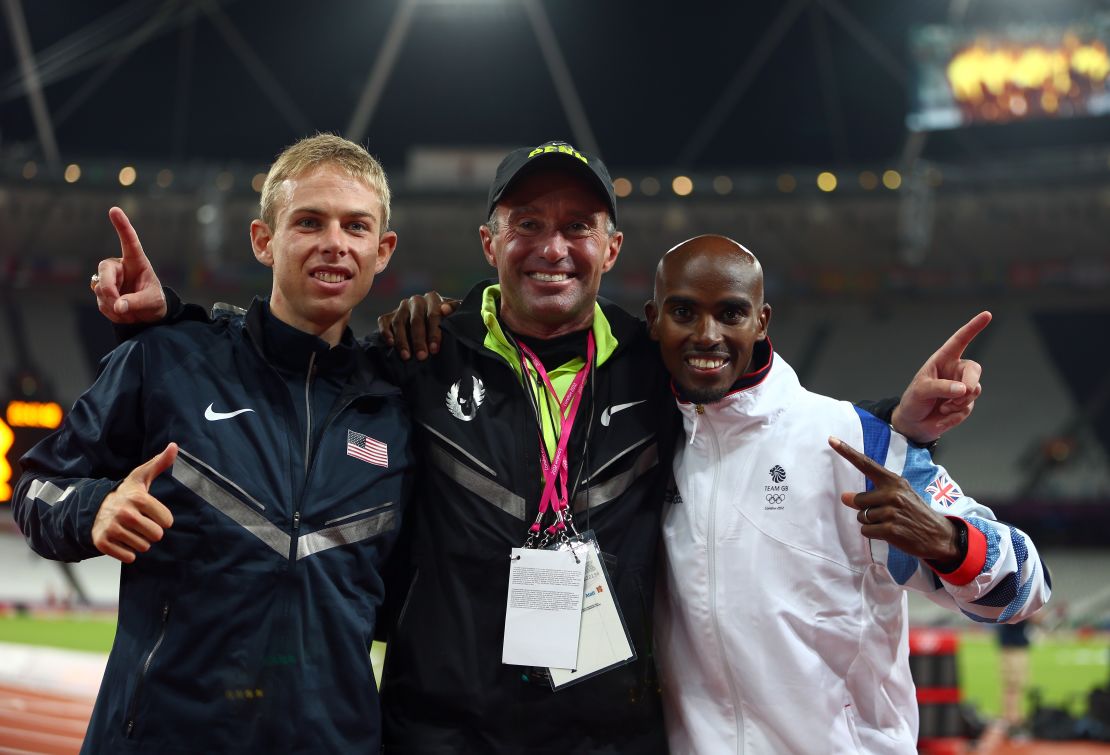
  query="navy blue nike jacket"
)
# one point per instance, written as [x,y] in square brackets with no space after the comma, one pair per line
[247,628]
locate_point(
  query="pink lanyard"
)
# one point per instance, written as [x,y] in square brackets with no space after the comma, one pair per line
[556,468]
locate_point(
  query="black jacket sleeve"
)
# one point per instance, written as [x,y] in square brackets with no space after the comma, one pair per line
[883,408]
[176,311]
[68,474]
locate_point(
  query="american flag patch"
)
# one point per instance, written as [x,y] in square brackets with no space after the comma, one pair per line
[944,490]
[366,448]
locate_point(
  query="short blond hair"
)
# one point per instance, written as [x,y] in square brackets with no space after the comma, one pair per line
[321,149]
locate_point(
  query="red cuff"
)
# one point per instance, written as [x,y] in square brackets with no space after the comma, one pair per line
[973,562]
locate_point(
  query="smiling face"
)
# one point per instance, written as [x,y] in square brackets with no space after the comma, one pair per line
[707,315]
[550,243]
[325,246]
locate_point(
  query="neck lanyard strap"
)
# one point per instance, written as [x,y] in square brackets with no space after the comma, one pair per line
[556,468]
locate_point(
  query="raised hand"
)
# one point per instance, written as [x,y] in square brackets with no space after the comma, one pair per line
[892,511]
[126,288]
[942,394]
[130,519]
[414,325]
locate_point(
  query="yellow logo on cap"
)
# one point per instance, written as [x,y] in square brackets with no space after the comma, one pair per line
[566,149]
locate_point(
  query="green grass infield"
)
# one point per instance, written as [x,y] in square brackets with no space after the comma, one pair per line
[1064,666]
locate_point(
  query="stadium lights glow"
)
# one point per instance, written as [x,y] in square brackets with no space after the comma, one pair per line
[868,180]
[30,169]
[7,437]
[892,179]
[650,186]
[73,173]
[206,214]
[786,183]
[722,185]
[257,181]
[622,187]
[127,175]
[34,414]
[826,181]
[164,178]
[682,186]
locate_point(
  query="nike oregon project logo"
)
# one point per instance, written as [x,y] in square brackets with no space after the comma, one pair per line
[607,415]
[214,416]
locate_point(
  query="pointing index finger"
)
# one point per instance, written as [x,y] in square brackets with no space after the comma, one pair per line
[129,244]
[962,338]
[871,469]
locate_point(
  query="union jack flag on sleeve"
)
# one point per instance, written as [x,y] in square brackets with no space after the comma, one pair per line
[1001,580]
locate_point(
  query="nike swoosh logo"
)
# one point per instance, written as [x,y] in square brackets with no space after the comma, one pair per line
[212,416]
[611,410]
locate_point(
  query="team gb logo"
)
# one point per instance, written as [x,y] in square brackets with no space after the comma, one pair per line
[465,407]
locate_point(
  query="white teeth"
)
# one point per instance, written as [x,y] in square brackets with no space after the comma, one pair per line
[326,277]
[705,364]
[549,277]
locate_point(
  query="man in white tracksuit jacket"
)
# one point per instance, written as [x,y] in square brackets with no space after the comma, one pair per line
[782,622]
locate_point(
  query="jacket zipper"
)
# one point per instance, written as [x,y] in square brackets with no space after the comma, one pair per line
[146,667]
[711,545]
[308,409]
[307,453]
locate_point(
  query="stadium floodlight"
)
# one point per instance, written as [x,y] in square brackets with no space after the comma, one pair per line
[1008,74]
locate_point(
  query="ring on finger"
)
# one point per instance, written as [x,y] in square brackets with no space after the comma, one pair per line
[867,515]
[94,280]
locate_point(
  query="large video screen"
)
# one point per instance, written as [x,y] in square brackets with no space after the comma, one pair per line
[977,76]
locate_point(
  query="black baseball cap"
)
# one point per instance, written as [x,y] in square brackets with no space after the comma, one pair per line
[520,161]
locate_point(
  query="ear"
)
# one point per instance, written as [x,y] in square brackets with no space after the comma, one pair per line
[613,248]
[651,312]
[764,322]
[487,245]
[261,236]
[387,244]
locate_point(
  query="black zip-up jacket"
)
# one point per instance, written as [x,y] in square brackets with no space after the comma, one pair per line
[247,628]
[444,688]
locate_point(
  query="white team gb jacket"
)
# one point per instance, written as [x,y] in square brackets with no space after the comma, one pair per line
[781,629]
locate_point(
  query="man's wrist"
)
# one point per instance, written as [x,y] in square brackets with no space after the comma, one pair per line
[972,547]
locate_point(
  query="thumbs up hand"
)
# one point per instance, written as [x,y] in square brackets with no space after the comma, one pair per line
[130,520]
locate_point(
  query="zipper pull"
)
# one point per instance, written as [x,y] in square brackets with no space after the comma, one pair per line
[296,520]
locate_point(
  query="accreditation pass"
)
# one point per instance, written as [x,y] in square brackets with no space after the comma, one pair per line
[543,614]
[603,642]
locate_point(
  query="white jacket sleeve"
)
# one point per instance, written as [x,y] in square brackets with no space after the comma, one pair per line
[1002,579]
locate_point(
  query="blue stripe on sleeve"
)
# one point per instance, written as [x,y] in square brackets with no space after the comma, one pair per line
[992,541]
[1020,551]
[1019,601]
[979,619]
[1001,594]
[876,440]
[900,565]
[919,470]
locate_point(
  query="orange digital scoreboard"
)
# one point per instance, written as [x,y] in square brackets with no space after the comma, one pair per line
[23,424]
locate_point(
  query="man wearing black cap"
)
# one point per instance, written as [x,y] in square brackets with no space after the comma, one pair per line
[491,423]
[528,360]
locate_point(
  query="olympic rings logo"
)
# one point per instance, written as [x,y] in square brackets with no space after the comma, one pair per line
[776,497]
